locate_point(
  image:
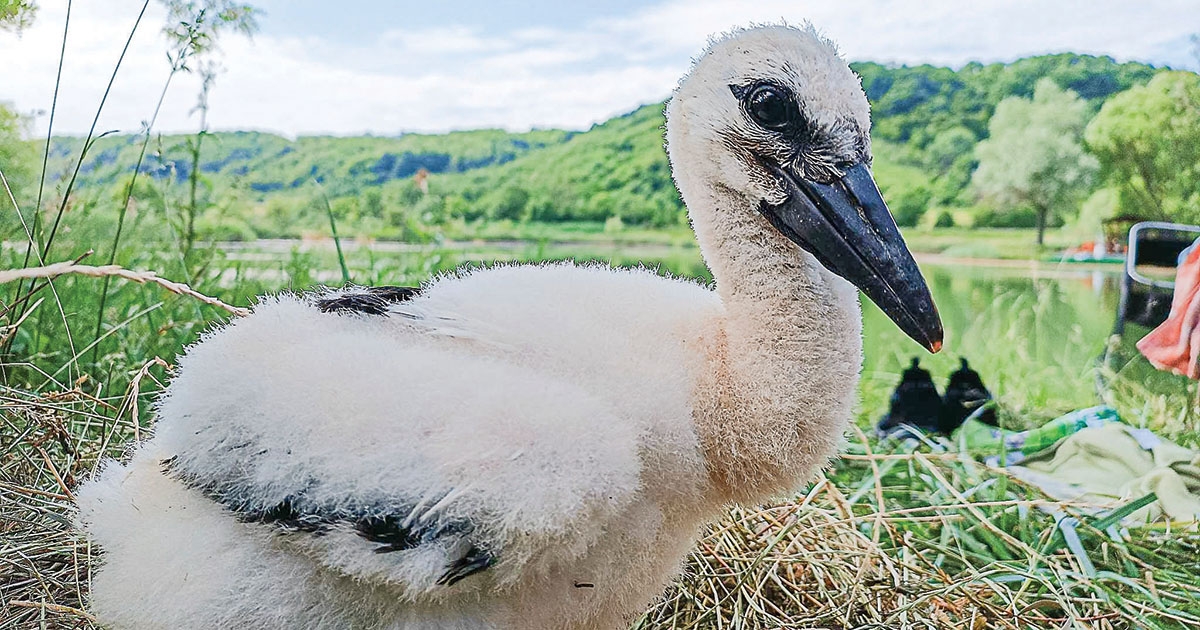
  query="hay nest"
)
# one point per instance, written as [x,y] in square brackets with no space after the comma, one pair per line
[893,541]
[44,563]
[808,564]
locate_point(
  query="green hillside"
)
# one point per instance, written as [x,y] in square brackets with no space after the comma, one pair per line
[914,104]
[266,163]
[927,121]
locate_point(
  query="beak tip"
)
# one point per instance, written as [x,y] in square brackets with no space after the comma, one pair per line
[935,333]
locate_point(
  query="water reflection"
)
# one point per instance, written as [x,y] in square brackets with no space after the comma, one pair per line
[1030,330]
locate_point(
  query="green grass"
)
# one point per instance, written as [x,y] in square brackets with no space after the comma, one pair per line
[993,243]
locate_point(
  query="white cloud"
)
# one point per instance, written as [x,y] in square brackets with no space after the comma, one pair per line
[455,76]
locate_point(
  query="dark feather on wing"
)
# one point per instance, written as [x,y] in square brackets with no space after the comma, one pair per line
[394,528]
[366,300]
[474,561]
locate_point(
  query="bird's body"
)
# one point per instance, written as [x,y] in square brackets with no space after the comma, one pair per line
[569,435]
[531,447]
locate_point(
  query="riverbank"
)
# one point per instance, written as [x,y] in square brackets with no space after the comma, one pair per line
[957,243]
[671,250]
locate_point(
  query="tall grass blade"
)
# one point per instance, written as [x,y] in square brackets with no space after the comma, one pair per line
[337,242]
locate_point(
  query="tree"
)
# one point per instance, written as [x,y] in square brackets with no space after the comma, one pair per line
[16,164]
[15,153]
[1148,142]
[950,157]
[1034,155]
[15,15]
[372,203]
[510,203]
[947,147]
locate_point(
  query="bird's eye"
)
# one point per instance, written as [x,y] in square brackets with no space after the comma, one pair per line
[771,107]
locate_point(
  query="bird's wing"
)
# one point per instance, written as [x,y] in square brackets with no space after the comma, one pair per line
[391,457]
[377,300]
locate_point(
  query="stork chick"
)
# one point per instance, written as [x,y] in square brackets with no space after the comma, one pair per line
[915,403]
[965,394]
[531,447]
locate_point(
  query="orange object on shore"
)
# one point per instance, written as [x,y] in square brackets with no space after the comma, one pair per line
[1175,344]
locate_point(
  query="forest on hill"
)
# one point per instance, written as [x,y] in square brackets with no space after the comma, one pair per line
[929,123]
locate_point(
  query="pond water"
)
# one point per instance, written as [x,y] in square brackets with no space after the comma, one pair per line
[1032,331]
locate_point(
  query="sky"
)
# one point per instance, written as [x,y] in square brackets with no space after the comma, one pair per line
[370,66]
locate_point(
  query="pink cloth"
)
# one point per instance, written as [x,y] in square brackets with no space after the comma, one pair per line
[1175,344]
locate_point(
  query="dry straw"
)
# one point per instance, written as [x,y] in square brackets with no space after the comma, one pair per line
[825,559]
[68,267]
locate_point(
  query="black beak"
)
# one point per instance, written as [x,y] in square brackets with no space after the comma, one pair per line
[847,227]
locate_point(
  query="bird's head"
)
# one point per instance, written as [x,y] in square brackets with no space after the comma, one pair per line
[773,115]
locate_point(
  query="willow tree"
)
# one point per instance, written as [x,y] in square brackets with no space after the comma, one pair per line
[1034,155]
[16,155]
[15,15]
[1147,139]
[17,177]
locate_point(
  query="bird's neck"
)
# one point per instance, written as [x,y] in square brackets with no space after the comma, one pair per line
[783,364]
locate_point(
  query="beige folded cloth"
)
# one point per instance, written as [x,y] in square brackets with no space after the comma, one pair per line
[1115,463]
